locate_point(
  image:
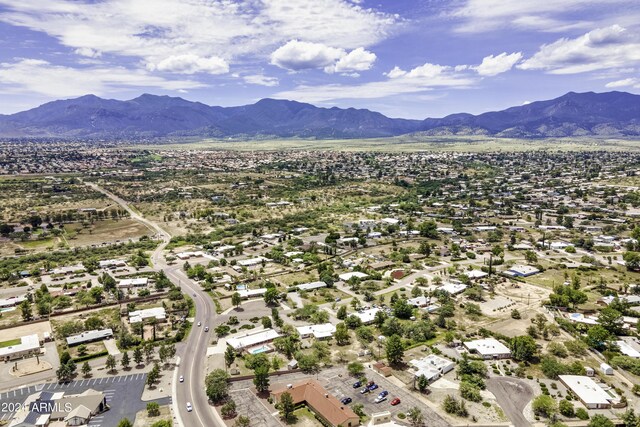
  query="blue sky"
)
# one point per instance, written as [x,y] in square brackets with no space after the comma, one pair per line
[404,58]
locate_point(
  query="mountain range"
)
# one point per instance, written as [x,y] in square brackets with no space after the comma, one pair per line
[150,116]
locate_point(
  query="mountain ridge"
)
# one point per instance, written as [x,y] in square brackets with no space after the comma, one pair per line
[147,116]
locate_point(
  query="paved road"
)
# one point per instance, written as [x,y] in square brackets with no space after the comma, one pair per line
[193,352]
[512,395]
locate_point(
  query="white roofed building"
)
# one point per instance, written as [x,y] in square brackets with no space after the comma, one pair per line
[29,345]
[321,331]
[138,316]
[432,367]
[488,348]
[133,283]
[590,393]
[312,285]
[251,339]
[367,316]
[346,276]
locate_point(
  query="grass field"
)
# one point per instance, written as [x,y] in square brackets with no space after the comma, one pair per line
[10,343]
[409,143]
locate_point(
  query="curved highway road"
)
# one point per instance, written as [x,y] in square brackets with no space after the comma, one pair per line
[193,354]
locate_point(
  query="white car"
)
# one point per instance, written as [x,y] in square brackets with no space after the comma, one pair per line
[199,323]
[189,407]
[206,329]
[181,378]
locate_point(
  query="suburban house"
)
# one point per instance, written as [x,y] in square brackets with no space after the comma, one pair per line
[367,316]
[322,331]
[590,393]
[325,406]
[312,285]
[488,348]
[521,271]
[138,316]
[251,293]
[89,336]
[253,339]
[346,276]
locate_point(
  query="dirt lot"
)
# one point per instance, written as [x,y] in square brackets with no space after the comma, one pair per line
[105,231]
[21,331]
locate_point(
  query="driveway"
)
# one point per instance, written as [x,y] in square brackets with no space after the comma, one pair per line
[111,347]
[512,395]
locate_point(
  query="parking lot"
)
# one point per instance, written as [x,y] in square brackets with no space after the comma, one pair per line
[341,386]
[249,405]
[122,393]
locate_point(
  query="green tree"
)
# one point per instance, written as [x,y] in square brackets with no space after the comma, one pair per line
[566,408]
[470,391]
[64,373]
[228,410]
[415,417]
[261,378]
[125,361]
[631,260]
[523,348]
[355,368]
[137,356]
[394,350]
[229,356]
[111,363]
[125,423]
[86,369]
[600,420]
[216,385]
[544,405]
[598,337]
[153,409]
[402,309]
[242,421]
[422,383]
[611,320]
[271,296]
[341,335]
[286,406]
[236,299]
[428,229]
[27,311]
[342,312]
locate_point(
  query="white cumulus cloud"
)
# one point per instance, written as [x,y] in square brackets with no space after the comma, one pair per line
[357,60]
[492,65]
[298,55]
[191,64]
[628,82]
[602,48]
[41,77]
[261,80]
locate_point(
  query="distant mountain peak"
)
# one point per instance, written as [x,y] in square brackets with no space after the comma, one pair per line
[148,115]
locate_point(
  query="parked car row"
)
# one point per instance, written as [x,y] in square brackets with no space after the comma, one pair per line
[368,388]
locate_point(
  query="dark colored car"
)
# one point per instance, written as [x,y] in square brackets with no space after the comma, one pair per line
[346,400]
[357,384]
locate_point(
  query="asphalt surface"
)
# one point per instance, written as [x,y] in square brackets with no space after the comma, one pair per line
[512,395]
[123,395]
[193,354]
